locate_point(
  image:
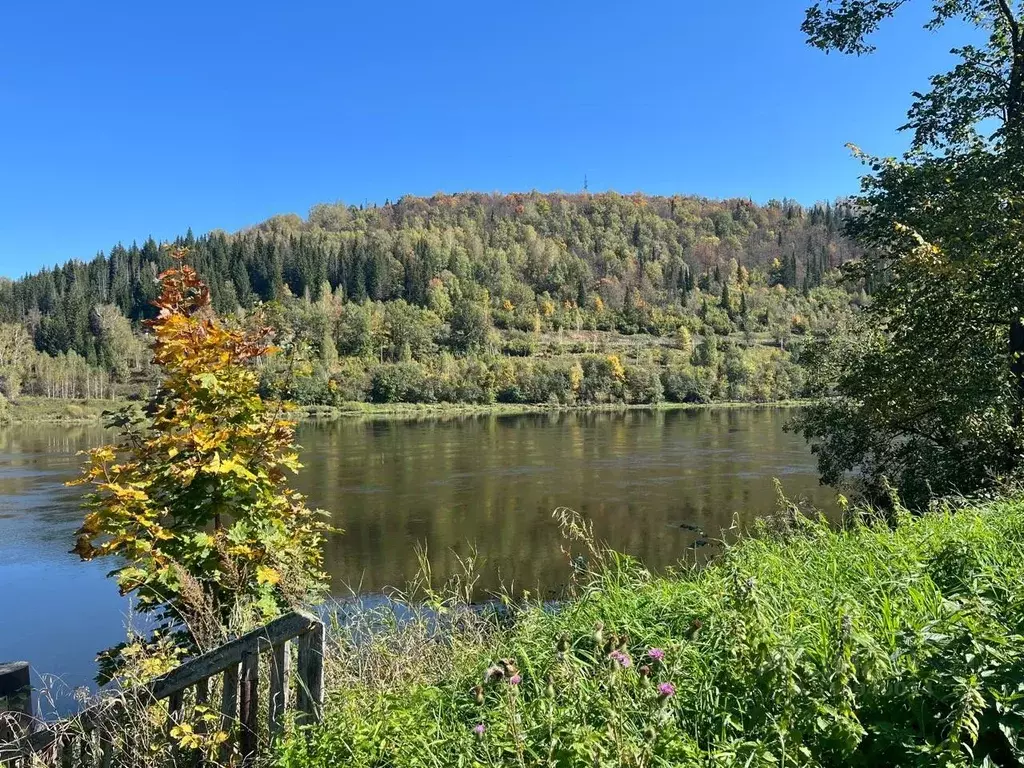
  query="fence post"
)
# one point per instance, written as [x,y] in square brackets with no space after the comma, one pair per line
[248,705]
[280,677]
[310,697]
[16,710]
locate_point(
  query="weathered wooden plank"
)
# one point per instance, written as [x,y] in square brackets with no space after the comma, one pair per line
[202,705]
[52,735]
[213,662]
[249,707]
[280,676]
[175,702]
[67,751]
[86,755]
[106,748]
[15,692]
[197,672]
[310,699]
[175,706]
[228,711]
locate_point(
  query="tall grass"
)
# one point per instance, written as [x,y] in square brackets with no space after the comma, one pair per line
[876,645]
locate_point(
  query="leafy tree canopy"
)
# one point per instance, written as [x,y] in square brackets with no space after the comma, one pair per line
[929,388]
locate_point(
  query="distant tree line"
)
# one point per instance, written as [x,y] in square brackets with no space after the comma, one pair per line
[476,282]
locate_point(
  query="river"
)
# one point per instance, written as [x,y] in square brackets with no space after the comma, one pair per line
[659,485]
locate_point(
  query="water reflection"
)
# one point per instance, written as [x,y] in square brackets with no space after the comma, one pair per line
[652,482]
[645,478]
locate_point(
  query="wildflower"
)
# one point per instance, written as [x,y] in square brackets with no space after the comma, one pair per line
[478,694]
[666,690]
[622,658]
[656,653]
[563,643]
[550,690]
[479,729]
[509,665]
[515,679]
[645,671]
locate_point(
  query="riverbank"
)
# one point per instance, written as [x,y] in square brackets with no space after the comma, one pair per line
[417,410]
[27,410]
[53,410]
[805,646]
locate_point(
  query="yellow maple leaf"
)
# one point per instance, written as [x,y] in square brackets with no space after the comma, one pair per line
[267,575]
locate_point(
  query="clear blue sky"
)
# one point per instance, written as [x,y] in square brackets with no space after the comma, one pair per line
[120,120]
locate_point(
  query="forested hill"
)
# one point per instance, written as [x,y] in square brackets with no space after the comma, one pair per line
[619,251]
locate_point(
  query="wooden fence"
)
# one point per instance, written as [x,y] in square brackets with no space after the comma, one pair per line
[98,736]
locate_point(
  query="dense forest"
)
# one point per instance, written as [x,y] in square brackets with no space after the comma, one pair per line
[527,298]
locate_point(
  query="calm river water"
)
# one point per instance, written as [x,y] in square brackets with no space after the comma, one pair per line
[651,481]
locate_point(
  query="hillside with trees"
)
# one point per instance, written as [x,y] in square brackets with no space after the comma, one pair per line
[520,298]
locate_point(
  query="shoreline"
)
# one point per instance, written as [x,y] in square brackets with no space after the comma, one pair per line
[41,410]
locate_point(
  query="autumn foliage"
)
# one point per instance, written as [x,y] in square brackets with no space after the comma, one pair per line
[193,497]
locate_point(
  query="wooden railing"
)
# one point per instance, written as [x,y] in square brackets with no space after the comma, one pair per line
[98,736]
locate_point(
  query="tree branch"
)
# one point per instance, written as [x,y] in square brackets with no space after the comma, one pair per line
[1011,20]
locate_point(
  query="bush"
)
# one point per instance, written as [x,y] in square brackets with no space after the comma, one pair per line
[519,344]
[603,377]
[806,647]
[680,384]
[643,385]
[313,388]
[351,382]
[400,383]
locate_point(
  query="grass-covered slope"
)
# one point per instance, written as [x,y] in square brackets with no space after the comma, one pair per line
[804,646]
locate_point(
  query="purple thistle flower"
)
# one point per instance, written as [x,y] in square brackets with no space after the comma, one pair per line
[622,658]
[479,729]
[515,680]
[656,653]
[666,690]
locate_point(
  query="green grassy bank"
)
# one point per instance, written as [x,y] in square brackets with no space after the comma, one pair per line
[418,410]
[803,646]
[54,410]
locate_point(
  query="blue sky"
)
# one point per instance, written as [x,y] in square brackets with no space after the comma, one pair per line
[120,120]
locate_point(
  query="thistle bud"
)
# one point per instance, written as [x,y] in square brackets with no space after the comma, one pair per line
[694,630]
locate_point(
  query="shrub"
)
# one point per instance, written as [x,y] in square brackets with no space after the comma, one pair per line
[603,377]
[192,500]
[519,344]
[400,383]
[642,385]
[351,381]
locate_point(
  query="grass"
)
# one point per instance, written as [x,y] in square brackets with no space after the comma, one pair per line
[55,410]
[876,645]
[46,409]
[419,410]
